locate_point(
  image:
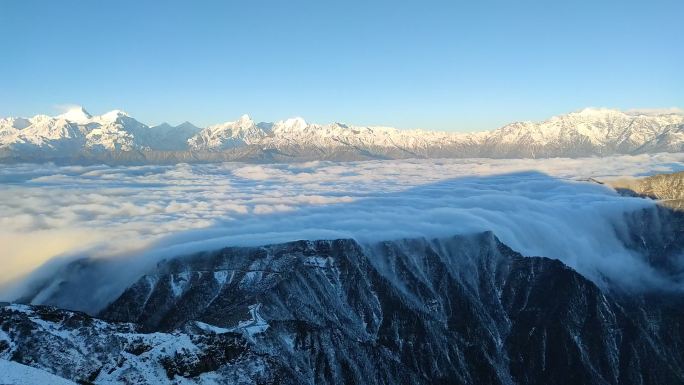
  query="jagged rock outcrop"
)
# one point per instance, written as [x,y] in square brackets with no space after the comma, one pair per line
[88,350]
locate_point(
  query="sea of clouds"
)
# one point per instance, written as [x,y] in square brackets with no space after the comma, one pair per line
[537,207]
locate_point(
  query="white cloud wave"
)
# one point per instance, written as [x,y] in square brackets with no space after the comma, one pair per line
[158,211]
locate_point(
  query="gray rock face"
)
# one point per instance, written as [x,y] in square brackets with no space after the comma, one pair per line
[460,310]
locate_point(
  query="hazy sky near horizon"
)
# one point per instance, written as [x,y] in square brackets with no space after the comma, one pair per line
[450,65]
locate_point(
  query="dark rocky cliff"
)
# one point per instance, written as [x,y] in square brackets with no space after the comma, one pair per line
[461,310]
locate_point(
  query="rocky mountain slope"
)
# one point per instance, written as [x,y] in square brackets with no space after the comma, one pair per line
[77,136]
[460,310]
[668,189]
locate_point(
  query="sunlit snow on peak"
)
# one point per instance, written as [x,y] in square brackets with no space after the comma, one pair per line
[113,115]
[76,114]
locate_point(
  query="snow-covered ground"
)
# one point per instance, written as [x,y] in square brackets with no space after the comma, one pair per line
[13,373]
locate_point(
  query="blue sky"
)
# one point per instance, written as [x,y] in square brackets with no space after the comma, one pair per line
[449,65]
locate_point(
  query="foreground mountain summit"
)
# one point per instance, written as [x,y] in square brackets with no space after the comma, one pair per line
[459,310]
[115,137]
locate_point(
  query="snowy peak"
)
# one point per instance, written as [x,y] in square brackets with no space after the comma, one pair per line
[79,115]
[76,114]
[113,116]
[597,112]
[227,135]
[245,120]
[606,114]
[296,123]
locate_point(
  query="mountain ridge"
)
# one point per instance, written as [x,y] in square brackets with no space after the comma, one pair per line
[116,137]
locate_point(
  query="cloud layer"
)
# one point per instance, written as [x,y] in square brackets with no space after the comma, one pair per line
[157,211]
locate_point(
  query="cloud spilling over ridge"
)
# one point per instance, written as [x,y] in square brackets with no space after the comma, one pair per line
[161,211]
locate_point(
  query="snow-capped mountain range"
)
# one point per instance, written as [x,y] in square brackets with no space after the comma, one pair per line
[117,137]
